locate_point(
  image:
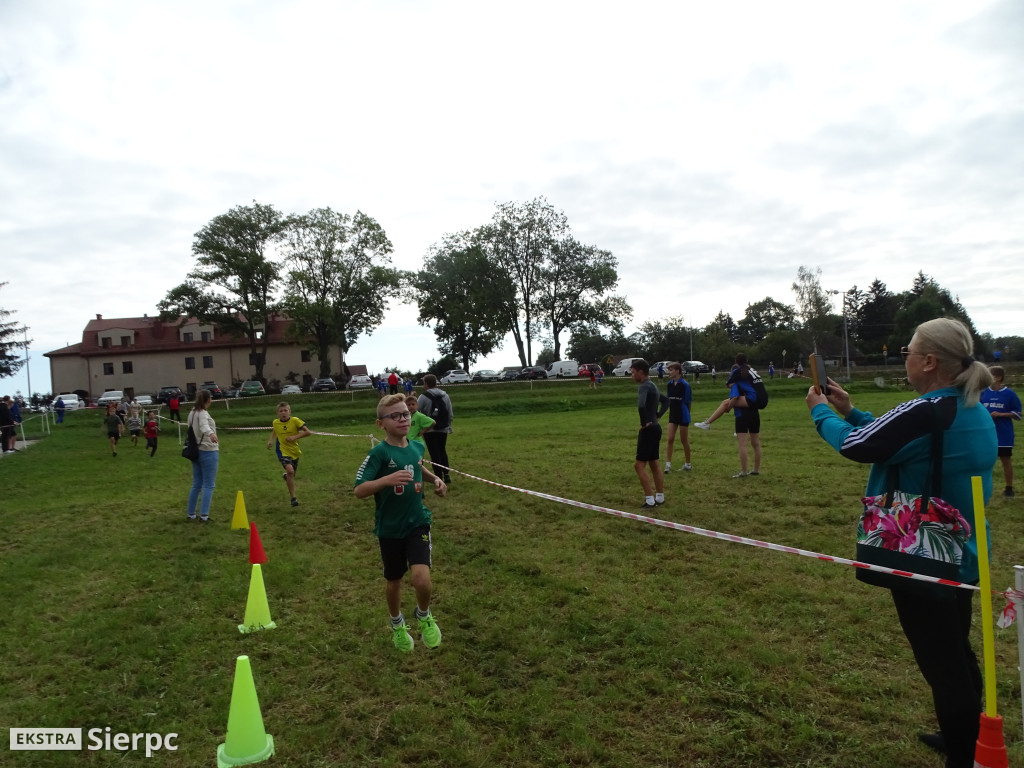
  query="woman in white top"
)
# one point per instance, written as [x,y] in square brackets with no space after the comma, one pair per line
[204,470]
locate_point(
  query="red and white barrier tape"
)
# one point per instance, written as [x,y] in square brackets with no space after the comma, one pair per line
[1009,611]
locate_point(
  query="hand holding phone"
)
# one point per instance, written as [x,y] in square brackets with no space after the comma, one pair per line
[818,374]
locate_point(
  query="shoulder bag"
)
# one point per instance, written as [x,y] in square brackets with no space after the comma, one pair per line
[191,449]
[919,533]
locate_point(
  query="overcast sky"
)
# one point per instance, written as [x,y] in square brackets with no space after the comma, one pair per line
[712,147]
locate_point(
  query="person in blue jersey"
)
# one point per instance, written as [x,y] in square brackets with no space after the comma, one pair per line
[393,473]
[742,397]
[942,370]
[1003,406]
[648,440]
[680,397]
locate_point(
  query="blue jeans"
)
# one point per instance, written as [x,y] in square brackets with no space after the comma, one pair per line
[204,476]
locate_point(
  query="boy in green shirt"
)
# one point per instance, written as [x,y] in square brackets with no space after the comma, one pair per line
[288,430]
[420,422]
[393,473]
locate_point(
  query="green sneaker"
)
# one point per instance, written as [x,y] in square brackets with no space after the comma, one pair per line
[402,639]
[430,633]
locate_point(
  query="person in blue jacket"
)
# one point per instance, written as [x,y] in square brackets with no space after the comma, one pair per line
[942,370]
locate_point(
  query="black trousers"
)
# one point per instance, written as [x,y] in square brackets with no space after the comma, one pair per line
[437,445]
[939,634]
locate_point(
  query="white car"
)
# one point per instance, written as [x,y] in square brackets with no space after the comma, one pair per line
[291,389]
[622,369]
[359,381]
[111,396]
[71,402]
[456,377]
[144,399]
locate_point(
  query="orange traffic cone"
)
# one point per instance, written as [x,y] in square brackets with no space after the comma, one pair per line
[256,554]
[990,751]
[247,741]
[239,519]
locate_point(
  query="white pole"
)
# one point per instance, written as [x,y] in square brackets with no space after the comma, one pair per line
[1018,580]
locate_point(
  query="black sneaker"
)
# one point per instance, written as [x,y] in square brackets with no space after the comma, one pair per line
[295,502]
[1008,493]
[935,741]
[645,505]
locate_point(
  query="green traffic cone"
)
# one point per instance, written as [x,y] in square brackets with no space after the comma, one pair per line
[247,741]
[257,611]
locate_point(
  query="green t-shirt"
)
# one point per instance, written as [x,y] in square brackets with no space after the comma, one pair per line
[400,509]
[420,421]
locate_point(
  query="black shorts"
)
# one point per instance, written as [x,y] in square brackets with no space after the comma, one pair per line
[398,554]
[1005,451]
[648,442]
[679,414]
[294,463]
[136,432]
[748,420]
[115,435]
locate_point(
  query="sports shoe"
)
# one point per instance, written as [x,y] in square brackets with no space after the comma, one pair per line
[295,502]
[192,517]
[754,472]
[430,633]
[668,466]
[740,474]
[686,468]
[1008,493]
[402,639]
[934,741]
[702,425]
[204,519]
[645,505]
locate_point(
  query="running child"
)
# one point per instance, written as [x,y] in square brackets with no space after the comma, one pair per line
[420,421]
[152,428]
[114,427]
[393,473]
[134,426]
[288,430]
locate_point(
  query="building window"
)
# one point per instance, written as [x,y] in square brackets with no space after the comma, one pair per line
[126,366]
[190,363]
[207,361]
[105,342]
[305,355]
[108,369]
[126,341]
[206,335]
[187,337]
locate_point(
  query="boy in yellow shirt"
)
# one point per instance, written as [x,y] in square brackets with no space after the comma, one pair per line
[288,430]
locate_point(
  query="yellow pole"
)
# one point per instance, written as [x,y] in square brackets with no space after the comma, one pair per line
[986,597]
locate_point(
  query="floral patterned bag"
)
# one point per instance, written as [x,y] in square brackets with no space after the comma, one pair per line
[919,533]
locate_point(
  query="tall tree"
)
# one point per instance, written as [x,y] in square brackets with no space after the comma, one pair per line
[10,363]
[724,321]
[339,278]
[764,317]
[232,285]
[573,287]
[467,301]
[813,305]
[519,241]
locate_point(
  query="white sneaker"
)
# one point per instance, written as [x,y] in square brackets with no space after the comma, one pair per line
[702,425]
[686,467]
[740,474]
[668,466]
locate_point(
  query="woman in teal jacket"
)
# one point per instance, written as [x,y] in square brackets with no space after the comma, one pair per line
[941,368]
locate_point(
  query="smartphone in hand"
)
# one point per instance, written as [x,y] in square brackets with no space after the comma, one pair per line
[818,375]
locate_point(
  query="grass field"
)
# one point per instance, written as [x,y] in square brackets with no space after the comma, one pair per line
[571,637]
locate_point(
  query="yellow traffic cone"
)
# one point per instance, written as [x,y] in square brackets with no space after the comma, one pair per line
[246,741]
[239,519]
[257,611]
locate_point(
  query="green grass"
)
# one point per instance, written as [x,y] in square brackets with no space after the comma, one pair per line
[571,637]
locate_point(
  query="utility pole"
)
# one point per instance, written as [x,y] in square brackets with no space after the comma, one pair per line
[28,371]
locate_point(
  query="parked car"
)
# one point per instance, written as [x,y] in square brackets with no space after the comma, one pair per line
[486,375]
[456,377]
[231,392]
[586,369]
[144,399]
[622,369]
[110,396]
[165,394]
[215,392]
[664,367]
[533,372]
[251,388]
[323,385]
[695,366]
[291,389]
[566,368]
[360,381]
[510,374]
[71,402]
